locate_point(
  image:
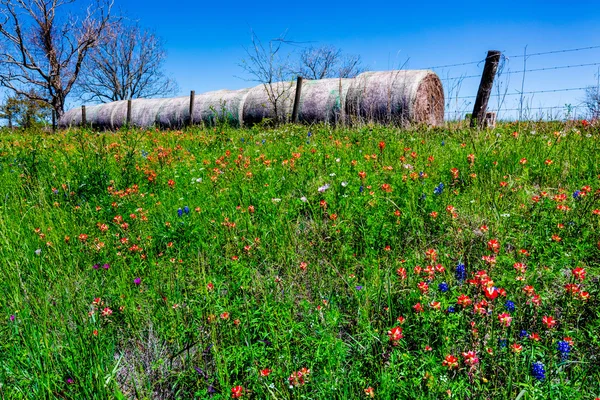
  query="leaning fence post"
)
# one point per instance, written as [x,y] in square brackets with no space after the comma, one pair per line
[128,121]
[192,97]
[83,118]
[297,100]
[485,88]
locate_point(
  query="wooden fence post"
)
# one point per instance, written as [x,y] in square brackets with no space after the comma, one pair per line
[192,98]
[53,121]
[83,118]
[485,88]
[128,113]
[297,100]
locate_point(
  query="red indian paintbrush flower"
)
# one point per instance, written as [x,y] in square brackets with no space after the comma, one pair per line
[450,361]
[549,321]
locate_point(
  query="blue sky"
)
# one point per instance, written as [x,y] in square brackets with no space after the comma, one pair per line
[205,40]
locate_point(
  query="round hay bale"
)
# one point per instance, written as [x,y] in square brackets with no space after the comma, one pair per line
[388,96]
[220,105]
[397,96]
[321,100]
[273,101]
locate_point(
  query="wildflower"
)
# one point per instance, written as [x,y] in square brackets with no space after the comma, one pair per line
[303,265]
[549,321]
[265,372]
[460,273]
[535,337]
[107,312]
[237,392]
[381,146]
[438,189]
[395,334]
[298,378]
[450,309]
[564,348]
[470,357]
[516,348]
[370,392]
[523,333]
[505,319]
[510,306]
[323,188]
[490,292]
[578,273]
[576,194]
[436,305]
[418,307]
[224,315]
[179,212]
[443,287]
[137,281]
[494,245]
[386,188]
[538,371]
[450,361]
[464,300]
[12,318]
[423,287]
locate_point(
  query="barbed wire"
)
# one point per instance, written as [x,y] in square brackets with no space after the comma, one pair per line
[527,70]
[516,56]
[522,93]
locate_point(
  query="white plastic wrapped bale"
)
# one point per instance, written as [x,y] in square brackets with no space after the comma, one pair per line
[274,102]
[388,96]
[221,105]
[321,100]
[397,96]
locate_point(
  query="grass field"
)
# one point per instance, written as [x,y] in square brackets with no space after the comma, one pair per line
[301,263]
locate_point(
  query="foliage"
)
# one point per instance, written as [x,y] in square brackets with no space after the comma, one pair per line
[24,112]
[301,263]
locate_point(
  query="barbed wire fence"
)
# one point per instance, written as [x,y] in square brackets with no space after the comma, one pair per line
[511,100]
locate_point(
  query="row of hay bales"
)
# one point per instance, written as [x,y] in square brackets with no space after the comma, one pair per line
[401,96]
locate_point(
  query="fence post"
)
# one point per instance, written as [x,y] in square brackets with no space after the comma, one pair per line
[297,100]
[128,113]
[485,88]
[53,121]
[192,98]
[83,118]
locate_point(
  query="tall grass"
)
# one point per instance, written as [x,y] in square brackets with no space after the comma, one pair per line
[217,263]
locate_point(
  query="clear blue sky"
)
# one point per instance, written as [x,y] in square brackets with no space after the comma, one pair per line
[205,40]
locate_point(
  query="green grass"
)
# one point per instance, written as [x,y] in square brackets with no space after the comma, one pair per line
[291,257]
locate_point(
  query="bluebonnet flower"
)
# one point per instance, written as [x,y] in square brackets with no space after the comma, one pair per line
[423,197]
[179,212]
[461,272]
[538,371]
[451,309]
[576,194]
[264,141]
[438,189]
[523,333]
[186,209]
[242,140]
[359,287]
[510,306]
[145,154]
[443,143]
[443,287]
[502,342]
[361,189]
[309,134]
[564,348]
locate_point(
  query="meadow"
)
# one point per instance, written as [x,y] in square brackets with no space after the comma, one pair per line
[301,263]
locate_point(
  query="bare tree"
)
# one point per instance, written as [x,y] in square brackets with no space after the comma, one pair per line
[592,99]
[43,46]
[268,66]
[127,65]
[327,62]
